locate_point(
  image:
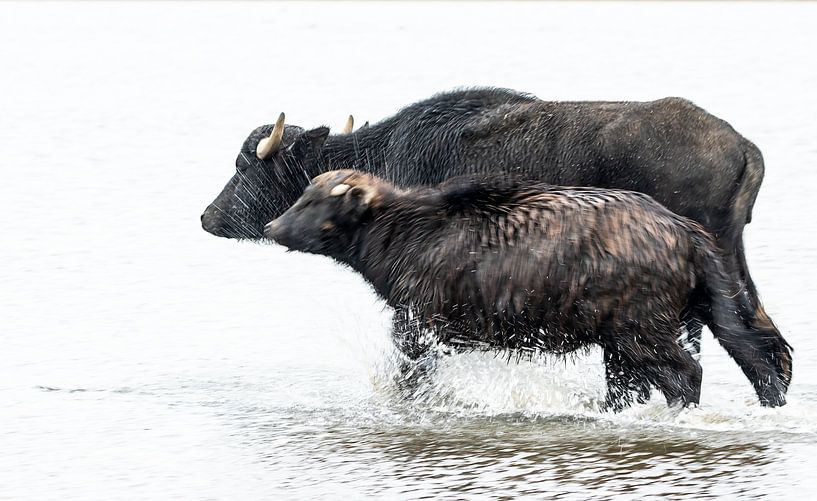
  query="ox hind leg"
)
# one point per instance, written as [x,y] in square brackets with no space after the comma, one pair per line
[652,354]
[694,316]
[756,317]
[692,326]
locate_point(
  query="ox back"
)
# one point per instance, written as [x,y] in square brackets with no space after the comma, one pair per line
[692,162]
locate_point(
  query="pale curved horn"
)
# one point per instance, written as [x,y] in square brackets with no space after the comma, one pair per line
[350,123]
[270,144]
[339,190]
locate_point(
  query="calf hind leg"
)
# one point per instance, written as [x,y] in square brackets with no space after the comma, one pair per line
[679,381]
[624,382]
[672,370]
[657,358]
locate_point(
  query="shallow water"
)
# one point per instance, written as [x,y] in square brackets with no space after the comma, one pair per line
[143,357]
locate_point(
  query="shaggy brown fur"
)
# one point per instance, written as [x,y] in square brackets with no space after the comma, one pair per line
[489,262]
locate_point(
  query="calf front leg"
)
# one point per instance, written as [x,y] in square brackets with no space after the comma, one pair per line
[417,361]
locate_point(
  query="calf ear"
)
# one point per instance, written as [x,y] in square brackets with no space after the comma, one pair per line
[362,196]
[311,140]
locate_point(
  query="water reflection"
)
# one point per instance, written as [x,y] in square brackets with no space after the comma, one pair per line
[430,455]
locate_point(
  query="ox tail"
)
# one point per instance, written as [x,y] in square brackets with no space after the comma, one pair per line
[748,186]
[742,206]
[762,353]
[744,201]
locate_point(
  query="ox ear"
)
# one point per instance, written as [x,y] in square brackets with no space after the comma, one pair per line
[311,140]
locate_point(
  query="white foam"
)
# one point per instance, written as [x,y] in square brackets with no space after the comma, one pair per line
[489,384]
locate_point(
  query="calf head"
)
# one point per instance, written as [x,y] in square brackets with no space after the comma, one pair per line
[272,169]
[329,214]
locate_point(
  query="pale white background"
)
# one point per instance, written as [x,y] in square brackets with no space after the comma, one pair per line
[142,357]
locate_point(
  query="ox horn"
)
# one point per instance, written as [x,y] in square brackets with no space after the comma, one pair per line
[270,144]
[350,122]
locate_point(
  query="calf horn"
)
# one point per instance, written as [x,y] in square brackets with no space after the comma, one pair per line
[270,144]
[339,190]
[350,122]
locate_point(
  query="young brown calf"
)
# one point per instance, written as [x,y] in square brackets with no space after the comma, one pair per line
[487,262]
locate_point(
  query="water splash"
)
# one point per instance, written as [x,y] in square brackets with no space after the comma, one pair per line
[487,385]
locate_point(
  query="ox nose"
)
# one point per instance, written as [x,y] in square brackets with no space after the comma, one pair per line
[212,224]
[207,223]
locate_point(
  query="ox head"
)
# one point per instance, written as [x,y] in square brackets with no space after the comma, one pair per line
[272,169]
[329,214]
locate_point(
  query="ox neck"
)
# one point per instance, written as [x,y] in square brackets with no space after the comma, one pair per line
[360,150]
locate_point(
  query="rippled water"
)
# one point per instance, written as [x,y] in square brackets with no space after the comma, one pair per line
[144,358]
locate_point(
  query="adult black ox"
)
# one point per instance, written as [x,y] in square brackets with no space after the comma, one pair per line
[488,262]
[690,161]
